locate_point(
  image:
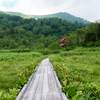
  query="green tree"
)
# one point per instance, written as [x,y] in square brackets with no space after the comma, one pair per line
[46,29]
[54,46]
[35,30]
[1,33]
[26,42]
[72,39]
[81,35]
[20,30]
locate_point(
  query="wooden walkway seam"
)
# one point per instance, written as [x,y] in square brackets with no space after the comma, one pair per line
[43,84]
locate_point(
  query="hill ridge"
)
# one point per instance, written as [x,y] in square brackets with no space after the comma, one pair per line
[62,15]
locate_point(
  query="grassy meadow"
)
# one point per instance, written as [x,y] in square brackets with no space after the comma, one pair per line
[15,70]
[78,71]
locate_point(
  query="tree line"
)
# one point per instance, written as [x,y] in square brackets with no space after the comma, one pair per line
[88,37]
[17,32]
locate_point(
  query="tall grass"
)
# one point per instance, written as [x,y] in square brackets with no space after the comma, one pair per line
[79,73]
[15,70]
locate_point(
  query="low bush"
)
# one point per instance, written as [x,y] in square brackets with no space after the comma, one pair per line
[20,50]
[45,51]
[56,51]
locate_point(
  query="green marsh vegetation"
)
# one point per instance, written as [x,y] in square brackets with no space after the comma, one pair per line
[15,70]
[79,73]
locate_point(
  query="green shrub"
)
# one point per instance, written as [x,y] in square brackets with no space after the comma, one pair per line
[36,54]
[20,50]
[68,48]
[11,95]
[45,51]
[97,43]
[90,44]
[56,51]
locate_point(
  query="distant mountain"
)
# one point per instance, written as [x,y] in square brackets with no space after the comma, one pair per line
[62,15]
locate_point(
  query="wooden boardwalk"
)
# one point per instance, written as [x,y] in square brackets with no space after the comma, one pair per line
[42,85]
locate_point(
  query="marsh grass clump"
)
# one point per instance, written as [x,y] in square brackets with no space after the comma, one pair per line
[6,65]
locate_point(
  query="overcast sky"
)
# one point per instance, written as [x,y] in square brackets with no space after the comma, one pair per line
[87,9]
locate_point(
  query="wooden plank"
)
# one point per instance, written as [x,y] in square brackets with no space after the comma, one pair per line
[40,84]
[51,96]
[56,96]
[45,84]
[37,97]
[52,84]
[32,88]
[45,96]
[49,70]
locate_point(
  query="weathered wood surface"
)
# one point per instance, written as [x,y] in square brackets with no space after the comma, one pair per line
[42,85]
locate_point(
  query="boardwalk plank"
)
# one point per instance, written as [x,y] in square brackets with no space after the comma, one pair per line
[40,84]
[45,84]
[31,89]
[37,97]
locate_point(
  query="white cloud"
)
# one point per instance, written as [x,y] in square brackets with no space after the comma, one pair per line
[1,1]
[87,9]
[2,8]
[37,7]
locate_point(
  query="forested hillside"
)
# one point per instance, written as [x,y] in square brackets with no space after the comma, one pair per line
[17,32]
[62,15]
